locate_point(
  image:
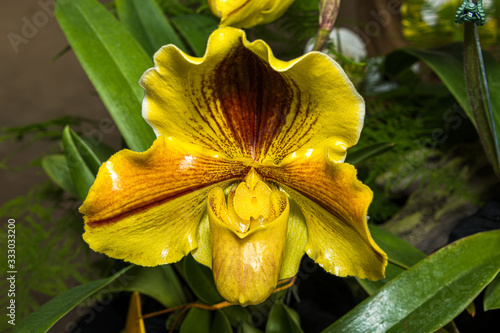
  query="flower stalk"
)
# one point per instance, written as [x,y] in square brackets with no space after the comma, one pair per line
[328,13]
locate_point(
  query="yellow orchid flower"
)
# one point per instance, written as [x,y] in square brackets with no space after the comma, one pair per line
[248,13]
[246,173]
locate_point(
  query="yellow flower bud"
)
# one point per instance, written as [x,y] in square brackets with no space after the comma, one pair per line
[248,13]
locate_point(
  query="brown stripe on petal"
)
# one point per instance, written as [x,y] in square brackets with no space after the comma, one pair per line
[239,8]
[130,183]
[264,111]
[158,201]
[333,186]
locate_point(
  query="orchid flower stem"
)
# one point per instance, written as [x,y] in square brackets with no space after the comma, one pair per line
[328,12]
[479,97]
[290,283]
[185,307]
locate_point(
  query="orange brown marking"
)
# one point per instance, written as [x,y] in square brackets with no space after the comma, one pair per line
[133,182]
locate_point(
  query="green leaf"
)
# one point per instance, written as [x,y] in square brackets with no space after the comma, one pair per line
[237,314]
[492,295]
[174,7]
[282,319]
[399,251]
[196,321]
[147,23]
[48,314]
[201,281]
[93,154]
[56,167]
[391,271]
[431,293]
[247,328]
[220,323]
[82,176]
[158,282]
[363,154]
[447,63]
[195,29]
[114,62]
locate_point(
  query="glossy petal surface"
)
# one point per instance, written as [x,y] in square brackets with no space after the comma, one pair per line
[240,100]
[248,13]
[145,207]
[335,205]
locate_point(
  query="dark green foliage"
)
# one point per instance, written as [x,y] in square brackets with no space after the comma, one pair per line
[50,254]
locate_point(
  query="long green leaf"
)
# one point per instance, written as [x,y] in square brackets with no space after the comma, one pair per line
[48,314]
[158,282]
[492,295]
[56,167]
[447,63]
[220,323]
[247,328]
[282,319]
[94,154]
[195,29]
[82,176]
[114,62]
[147,23]
[402,255]
[431,293]
[391,271]
[398,250]
[196,321]
[201,281]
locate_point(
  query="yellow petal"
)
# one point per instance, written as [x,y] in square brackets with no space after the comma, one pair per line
[248,13]
[145,207]
[335,205]
[240,100]
[135,324]
[296,239]
[247,266]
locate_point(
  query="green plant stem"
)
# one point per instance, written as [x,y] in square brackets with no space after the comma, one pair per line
[479,99]
[328,12]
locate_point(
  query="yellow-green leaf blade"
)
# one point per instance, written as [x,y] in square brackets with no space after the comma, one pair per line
[56,167]
[431,293]
[492,295]
[82,176]
[48,314]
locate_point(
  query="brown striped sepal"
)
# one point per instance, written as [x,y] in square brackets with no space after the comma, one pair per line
[241,101]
